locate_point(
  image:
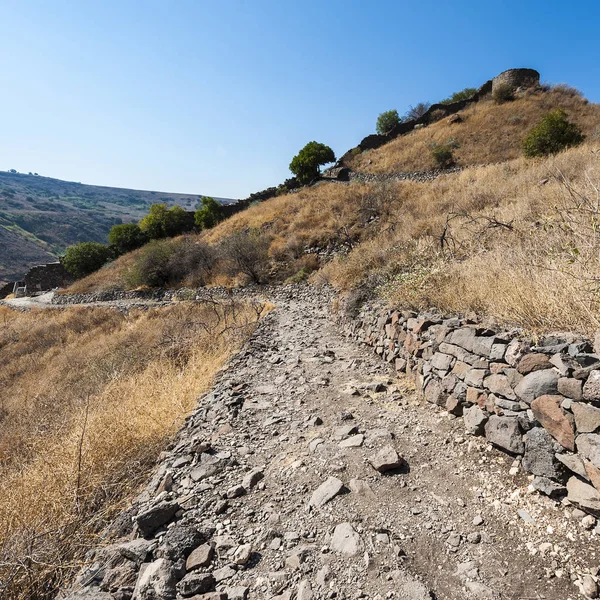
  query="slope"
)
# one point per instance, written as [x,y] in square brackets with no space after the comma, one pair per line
[41,216]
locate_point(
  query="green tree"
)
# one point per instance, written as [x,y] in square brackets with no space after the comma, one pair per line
[126,237]
[305,165]
[161,221]
[386,121]
[85,258]
[209,213]
[462,95]
[553,134]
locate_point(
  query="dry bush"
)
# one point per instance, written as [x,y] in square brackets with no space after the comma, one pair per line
[518,241]
[490,133]
[89,399]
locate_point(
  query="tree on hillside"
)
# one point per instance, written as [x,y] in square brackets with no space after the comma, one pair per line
[306,164]
[416,112]
[85,258]
[126,237]
[553,134]
[161,221]
[209,213]
[386,121]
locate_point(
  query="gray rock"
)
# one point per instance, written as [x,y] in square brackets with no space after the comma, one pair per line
[588,445]
[583,495]
[361,488]
[354,441]
[252,478]
[587,418]
[505,433]
[387,459]
[573,463]
[475,377]
[474,419]
[441,361]
[156,581]
[571,388]
[346,540]
[537,383]
[200,557]
[548,487]
[179,541]
[326,492]
[196,583]
[237,592]
[591,388]
[499,385]
[539,457]
[344,431]
[157,516]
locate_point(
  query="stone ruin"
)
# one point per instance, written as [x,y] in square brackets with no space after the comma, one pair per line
[516,78]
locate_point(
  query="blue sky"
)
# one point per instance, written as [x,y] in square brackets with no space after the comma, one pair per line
[215,97]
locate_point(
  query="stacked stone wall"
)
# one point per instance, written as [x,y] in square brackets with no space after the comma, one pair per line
[538,401]
[517,78]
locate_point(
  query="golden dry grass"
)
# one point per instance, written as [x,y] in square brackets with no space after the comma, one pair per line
[489,133]
[89,399]
[520,244]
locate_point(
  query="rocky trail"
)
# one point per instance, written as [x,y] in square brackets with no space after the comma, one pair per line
[312,471]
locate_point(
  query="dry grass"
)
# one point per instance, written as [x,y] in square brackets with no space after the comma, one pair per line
[497,240]
[89,399]
[489,133]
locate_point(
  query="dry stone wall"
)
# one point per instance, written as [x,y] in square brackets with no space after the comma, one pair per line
[538,401]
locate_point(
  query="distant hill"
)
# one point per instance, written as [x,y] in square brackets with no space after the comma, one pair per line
[41,216]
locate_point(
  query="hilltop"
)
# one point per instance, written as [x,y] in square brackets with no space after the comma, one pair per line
[41,216]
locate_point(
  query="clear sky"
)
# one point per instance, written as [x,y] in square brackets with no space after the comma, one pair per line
[215,97]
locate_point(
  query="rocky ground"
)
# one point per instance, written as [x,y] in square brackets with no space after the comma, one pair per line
[312,471]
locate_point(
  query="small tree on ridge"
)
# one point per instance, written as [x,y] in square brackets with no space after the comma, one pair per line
[306,164]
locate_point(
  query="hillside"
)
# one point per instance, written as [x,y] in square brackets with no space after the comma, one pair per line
[510,238]
[41,216]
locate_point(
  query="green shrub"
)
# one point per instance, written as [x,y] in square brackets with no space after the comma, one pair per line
[246,252]
[503,93]
[126,237]
[85,258]
[553,134]
[209,213]
[386,121]
[442,155]
[462,95]
[161,221]
[306,164]
[163,263]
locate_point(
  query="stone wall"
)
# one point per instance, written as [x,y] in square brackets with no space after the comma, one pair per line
[540,402]
[41,278]
[517,78]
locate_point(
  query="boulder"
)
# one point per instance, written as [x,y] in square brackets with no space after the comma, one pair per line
[346,540]
[573,462]
[539,457]
[587,418]
[435,393]
[533,362]
[326,491]
[180,540]
[546,409]
[588,445]
[474,419]
[387,459]
[499,385]
[505,433]
[202,556]
[156,516]
[537,383]
[196,583]
[156,581]
[571,388]
[591,388]
[583,495]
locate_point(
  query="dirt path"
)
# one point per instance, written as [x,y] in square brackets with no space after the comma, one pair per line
[301,406]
